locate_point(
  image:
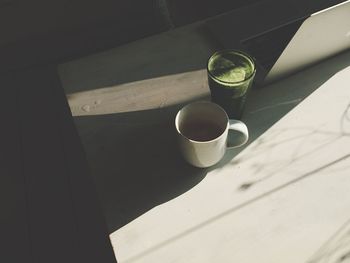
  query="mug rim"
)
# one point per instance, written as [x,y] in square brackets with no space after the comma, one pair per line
[202,102]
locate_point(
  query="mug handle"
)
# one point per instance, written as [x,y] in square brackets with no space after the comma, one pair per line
[238,134]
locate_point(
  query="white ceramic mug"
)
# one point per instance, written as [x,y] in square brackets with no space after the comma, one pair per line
[205,133]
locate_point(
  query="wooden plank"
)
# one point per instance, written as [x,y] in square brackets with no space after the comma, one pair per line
[14,229]
[149,94]
[92,229]
[117,80]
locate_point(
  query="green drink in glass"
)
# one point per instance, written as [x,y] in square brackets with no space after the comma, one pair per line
[230,76]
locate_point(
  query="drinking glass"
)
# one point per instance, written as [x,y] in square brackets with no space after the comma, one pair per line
[230,77]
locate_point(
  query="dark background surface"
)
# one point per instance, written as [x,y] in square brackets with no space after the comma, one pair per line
[37,31]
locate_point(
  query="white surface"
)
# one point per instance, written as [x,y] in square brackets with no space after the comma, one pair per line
[298,198]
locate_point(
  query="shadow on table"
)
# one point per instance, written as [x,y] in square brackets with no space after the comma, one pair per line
[265,106]
[135,162]
[134,158]
[173,52]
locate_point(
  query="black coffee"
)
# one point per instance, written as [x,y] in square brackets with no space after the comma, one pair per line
[201,131]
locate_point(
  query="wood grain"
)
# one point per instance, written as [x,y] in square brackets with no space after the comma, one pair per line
[149,94]
[94,244]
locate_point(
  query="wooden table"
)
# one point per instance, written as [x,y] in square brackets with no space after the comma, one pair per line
[284,197]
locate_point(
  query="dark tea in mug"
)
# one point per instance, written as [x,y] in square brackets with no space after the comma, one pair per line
[201,131]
